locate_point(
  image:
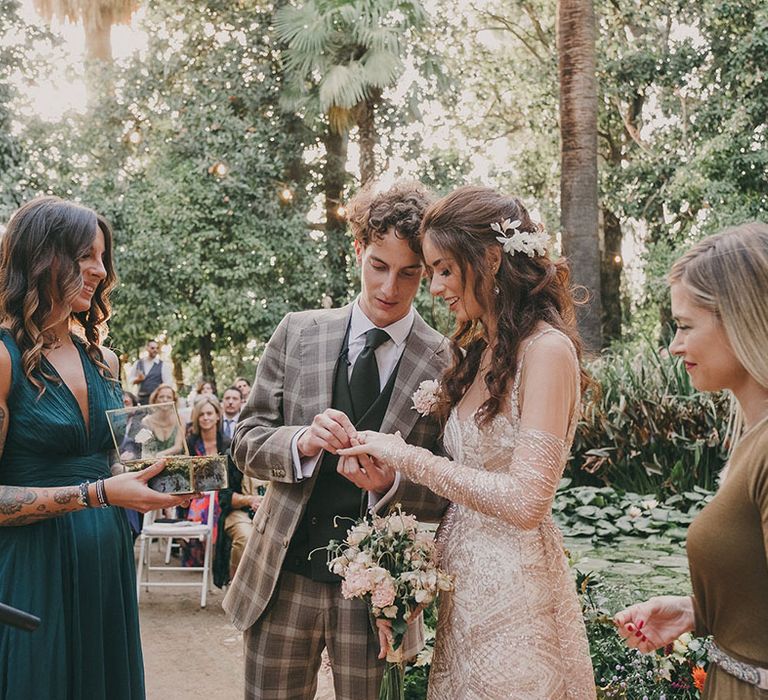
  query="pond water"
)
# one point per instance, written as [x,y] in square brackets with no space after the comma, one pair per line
[633,565]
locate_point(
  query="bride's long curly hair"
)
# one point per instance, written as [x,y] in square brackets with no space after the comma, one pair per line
[531,290]
[40,276]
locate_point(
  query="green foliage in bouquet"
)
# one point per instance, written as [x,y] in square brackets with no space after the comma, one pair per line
[621,673]
[605,514]
[646,429]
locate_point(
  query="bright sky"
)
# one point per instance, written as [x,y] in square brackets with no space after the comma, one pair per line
[58,93]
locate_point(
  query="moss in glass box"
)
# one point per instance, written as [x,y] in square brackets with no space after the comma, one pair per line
[175,478]
[209,473]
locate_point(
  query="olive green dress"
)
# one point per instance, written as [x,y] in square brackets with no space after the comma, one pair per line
[75,571]
[727,552]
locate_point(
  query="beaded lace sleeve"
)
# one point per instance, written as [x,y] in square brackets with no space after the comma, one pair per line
[522,497]
[523,466]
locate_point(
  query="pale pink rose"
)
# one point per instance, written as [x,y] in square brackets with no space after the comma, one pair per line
[384,594]
[425,397]
[357,582]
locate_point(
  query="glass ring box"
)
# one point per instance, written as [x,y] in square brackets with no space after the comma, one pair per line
[145,434]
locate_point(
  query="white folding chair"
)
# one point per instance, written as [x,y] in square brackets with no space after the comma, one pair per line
[186,529]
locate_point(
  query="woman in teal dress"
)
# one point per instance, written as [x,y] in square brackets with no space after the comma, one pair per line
[65,555]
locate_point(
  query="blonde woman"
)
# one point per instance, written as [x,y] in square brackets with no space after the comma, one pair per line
[719,302]
[206,438]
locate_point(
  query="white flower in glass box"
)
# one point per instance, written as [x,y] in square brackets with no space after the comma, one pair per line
[142,438]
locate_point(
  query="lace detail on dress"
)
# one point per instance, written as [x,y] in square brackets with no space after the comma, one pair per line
[521,496]
[512,628]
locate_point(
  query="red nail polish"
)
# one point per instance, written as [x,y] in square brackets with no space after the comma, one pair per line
[640,624]
[638,634]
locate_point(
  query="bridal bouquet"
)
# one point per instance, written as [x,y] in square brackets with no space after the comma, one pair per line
[392,565]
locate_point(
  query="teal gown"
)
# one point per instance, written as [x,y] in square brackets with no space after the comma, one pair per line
[76,571]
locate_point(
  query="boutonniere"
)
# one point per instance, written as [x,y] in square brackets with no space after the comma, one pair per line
[426,397]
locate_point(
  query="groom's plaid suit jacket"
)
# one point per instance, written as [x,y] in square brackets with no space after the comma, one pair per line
[294,382]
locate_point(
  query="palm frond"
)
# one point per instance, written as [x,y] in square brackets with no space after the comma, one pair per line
[381,68]
[377,38]
[90,13]
[343,86]
[304,29]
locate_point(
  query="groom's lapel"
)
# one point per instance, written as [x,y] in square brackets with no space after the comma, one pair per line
[320,350]
[420,361]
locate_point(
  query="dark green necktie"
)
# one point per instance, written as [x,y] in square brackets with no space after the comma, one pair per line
[364,384]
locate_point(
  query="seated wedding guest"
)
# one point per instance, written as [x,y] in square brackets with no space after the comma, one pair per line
[128,447]
[204,387]
[238,504]
[719,292]
[65,555]
[231,402]
[244,386]
[205,438]
[164,423]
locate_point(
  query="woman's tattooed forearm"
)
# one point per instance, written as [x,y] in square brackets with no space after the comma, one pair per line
[65,495]
[21,506]
[14,498]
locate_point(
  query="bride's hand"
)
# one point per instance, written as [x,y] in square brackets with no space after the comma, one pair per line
[384,628]
[380,446]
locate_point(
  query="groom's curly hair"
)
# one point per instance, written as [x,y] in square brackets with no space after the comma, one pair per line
[372,214]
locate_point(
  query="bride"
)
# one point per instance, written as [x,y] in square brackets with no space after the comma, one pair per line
[512,628]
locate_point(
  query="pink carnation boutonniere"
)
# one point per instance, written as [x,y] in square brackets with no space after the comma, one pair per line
[426,397]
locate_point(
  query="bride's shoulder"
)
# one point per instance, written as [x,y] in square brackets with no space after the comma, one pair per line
[546,344]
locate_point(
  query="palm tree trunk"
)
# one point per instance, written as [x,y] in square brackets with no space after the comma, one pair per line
[368,138]
[578,157]
[334,176]
[610,279]
[205,345]
[98,37]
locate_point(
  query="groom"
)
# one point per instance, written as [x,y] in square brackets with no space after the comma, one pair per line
[324,375]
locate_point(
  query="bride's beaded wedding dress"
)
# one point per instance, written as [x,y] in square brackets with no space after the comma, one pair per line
[512,629]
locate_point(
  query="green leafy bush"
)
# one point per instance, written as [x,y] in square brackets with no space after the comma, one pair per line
[646,429]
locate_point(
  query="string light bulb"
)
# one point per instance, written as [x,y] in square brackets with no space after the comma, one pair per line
[218,169]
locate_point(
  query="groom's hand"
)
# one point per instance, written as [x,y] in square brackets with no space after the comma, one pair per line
[331,430]
[365,473]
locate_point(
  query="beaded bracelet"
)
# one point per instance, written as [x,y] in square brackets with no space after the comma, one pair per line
[83,498]
[101,494]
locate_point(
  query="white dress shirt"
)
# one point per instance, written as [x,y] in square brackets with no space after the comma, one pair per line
[228,424]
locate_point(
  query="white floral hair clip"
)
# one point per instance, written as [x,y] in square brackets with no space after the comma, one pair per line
[529,242]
